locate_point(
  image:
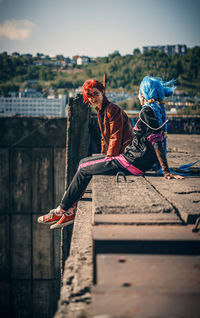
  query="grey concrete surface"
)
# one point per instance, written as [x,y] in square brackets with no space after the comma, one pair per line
[130,302]
[150,206]
[134,196]
[154,194]
[75,297]
[184,195]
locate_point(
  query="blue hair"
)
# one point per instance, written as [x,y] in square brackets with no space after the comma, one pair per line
[154,90]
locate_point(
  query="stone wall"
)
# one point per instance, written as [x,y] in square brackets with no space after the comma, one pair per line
[32,176]
[78,138]
[179,124]
[77,147]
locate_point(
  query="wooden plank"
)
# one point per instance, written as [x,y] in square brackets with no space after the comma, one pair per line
[4,246]
[4,180]
[21,300]
[175,271]
[136,218]
[59,175]
[43,299]
[42,250]
[21,180]
[21,246]
[42,198]
[144,302]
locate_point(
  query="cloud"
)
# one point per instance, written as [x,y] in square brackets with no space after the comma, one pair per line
[16,29]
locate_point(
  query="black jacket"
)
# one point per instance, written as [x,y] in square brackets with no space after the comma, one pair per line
[141,151]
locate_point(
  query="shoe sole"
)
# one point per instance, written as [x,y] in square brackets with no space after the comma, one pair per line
[61,225]
[43,222]
[52,222]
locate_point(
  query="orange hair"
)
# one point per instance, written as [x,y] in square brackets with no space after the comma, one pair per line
[91,84]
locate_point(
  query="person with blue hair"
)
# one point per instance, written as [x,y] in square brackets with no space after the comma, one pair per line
[154,90]
[147,148]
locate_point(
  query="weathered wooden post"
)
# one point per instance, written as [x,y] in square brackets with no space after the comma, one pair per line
[77,147]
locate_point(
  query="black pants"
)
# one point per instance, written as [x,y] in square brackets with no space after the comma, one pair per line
[87,168]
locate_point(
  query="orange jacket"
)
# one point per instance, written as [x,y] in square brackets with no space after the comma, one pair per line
[116,129]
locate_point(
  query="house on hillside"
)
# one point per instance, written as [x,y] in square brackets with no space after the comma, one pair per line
[83,60]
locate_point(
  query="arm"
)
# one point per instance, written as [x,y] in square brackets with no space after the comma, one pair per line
[163,162]
[150,123]
[103,147]
[103,143]
[116,130]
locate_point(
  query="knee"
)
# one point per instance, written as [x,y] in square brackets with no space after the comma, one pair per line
[82,161]
[80,165]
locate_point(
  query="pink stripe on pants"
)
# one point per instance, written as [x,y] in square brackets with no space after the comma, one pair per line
[120,159]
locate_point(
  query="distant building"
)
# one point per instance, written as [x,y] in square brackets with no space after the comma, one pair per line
[179,49]
[33,106]
[75,57]
[74,92]
[12,94]
[51,93]
[178,101]
[83,60]
[29,93]
[38,62]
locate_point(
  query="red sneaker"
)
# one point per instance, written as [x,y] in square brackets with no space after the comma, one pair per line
[67,218]
[51,217]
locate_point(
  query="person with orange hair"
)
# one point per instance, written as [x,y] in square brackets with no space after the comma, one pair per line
[115,126]
[116,133]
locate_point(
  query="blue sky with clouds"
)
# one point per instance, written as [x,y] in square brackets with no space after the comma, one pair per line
[96,28]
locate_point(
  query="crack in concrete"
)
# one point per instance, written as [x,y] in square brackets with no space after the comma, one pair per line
[173,206]
[187,192]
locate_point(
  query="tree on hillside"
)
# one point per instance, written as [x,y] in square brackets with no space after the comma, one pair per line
[59,57]
[136,51]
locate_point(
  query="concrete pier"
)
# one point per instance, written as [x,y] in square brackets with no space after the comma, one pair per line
[133,252]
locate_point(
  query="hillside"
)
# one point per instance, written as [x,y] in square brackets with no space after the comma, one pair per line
[123,72]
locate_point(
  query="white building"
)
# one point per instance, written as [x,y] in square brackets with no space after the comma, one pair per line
[82,60]
[53,107]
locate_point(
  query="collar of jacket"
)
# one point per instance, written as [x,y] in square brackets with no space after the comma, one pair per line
[104,104]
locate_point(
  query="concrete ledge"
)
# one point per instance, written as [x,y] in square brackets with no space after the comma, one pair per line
[136,219]
[161,271]
[130,302]
[140,217]
[134,196]
[75,297]
[184,195]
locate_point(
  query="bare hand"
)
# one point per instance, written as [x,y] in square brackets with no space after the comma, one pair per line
[173,176]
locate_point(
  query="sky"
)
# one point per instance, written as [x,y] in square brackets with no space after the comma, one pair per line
[96,27]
